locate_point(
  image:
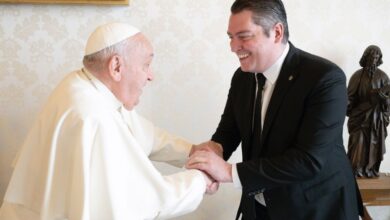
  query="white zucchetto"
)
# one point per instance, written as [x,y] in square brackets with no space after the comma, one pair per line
[107,35]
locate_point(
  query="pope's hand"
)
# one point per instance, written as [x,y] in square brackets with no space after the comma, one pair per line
[211,185]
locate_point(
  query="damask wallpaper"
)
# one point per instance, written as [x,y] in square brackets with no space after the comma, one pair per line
[193,65]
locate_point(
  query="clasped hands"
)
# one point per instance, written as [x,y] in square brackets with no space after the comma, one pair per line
[208,157]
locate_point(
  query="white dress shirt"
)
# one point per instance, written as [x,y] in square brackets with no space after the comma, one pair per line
[271,75]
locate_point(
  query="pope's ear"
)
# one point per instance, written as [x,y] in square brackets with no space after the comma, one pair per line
[115,65]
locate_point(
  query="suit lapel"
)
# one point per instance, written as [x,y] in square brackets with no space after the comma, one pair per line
[285,79]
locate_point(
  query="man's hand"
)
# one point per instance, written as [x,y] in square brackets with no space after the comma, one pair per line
[212,164]
[208,146]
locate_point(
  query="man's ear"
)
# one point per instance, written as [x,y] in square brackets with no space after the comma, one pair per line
[115,66]
[279,32]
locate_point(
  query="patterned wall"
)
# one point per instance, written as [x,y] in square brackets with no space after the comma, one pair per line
[193,65]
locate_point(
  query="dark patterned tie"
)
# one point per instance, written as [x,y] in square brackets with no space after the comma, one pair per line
[256,132]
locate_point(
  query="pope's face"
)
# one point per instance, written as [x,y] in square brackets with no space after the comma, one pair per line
[253,48]
[136,73]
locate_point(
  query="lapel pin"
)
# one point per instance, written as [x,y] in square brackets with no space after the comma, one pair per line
[290,78]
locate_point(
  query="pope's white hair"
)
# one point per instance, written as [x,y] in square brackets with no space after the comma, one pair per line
[98,61]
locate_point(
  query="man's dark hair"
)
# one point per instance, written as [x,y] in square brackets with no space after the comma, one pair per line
[266,13]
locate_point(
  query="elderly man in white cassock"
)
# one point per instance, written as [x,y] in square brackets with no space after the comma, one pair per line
[88,155]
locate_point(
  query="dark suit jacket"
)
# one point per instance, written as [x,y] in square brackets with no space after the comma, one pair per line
[301,165]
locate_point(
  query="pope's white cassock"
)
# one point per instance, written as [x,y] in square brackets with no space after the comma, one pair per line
[88,158]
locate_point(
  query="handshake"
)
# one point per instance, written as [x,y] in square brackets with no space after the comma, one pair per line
[208,158]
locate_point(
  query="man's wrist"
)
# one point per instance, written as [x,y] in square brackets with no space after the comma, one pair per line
[235,177]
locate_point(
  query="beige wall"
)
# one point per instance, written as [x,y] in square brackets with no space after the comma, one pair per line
[39,44]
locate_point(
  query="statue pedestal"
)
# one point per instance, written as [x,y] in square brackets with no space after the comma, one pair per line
[375,191]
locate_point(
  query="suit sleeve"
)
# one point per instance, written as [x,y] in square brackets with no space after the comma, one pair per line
[227,133]
[320,129]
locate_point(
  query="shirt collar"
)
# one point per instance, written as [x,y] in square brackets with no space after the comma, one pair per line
[107,94]
[272,73]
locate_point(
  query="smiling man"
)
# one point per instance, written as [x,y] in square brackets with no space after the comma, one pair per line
[88,155]
[287,108]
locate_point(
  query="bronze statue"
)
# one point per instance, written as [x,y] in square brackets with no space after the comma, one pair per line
[368,111]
